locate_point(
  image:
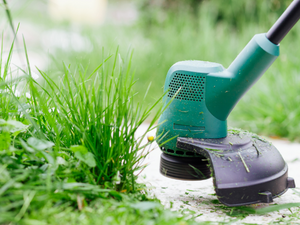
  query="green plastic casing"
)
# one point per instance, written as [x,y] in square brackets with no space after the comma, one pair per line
[203,94]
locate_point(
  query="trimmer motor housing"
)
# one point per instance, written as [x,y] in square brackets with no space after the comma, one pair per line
[202,94]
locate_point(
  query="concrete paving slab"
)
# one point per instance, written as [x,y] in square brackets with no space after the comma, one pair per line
[199,196]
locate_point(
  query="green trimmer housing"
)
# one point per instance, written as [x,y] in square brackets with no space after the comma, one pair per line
[207,92]
[200,97]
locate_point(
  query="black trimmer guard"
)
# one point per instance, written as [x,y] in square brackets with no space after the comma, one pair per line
[245,168]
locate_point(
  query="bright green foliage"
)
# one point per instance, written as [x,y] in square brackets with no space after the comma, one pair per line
[36,187]
[90,115]
[39,144]
[12,126]
[5,139]
[5,89]
[80,133]
[95,111]
[81,153]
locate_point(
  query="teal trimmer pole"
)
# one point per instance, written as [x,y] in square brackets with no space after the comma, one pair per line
[201,95]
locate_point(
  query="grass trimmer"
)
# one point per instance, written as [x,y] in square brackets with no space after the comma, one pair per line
[194,138]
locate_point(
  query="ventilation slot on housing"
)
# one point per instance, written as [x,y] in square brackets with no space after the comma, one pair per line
[192,87]
[170,151]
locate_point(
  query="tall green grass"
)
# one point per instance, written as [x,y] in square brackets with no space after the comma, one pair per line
[68,142]
[94,115]
[91,115]
[77,146]
[37,187]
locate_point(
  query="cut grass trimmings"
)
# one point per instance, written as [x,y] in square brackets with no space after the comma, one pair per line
[244,163]
[240,132]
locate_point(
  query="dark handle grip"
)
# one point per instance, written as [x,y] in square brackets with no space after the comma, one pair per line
[285,23]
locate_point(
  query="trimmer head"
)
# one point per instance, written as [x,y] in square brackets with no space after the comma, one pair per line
[245,168]
[185,168]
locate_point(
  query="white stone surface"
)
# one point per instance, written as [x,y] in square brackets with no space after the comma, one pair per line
[198,195]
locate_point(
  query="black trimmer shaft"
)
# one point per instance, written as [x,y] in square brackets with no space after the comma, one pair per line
[285,23]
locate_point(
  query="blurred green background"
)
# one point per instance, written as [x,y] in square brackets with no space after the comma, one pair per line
[162,32]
